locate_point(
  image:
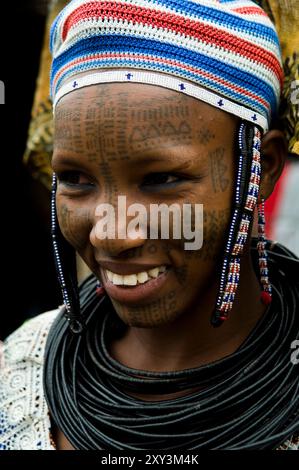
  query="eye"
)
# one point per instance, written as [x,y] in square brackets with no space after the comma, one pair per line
[74,179]
[161,179]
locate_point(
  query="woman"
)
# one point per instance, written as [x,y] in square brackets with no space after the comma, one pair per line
[163,347]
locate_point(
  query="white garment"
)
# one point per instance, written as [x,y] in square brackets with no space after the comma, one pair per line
[24,415]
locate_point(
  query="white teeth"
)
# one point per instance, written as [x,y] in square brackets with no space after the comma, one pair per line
[118,280]
[154,272]
[134,279]
[130,280]
[142,277]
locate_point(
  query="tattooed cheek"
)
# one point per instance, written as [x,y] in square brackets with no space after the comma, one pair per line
[74,225]
[219,170]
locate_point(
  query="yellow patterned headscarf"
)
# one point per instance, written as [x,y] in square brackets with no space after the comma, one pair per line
[285,15]
[39,146]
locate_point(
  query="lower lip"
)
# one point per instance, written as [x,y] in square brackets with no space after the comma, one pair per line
[138,293]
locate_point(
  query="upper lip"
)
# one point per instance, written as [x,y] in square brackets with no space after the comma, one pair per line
[127,268]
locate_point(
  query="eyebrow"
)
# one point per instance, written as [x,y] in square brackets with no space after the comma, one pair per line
[69,160]
[144,158]
[156,156]
[170,165]
[62,159]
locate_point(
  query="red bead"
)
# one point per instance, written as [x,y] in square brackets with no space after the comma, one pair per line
[266,298]
[100,291]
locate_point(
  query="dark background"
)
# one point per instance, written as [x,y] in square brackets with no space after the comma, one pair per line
[28,278]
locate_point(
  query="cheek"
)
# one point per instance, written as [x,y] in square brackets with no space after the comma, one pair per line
[195,273]
[74,224]
[215,233]
[220,163]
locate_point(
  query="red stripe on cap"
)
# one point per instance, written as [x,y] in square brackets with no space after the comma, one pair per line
[250,11]
[167,61]
[145,16]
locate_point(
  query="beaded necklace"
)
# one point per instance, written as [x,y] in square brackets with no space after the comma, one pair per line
[247,400]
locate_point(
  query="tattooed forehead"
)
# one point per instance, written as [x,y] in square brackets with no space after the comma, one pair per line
[148,102]
[140,94]
[119,120]
[94,106]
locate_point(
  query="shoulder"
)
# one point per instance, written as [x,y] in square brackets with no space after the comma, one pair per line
[24,419]
[27,343]
[291,444]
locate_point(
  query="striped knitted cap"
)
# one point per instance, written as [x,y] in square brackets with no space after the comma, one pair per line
[224,52]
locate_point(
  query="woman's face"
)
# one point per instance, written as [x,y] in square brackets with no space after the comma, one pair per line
[153,146]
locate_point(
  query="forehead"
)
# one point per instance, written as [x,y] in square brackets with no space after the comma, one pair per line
[139,97]
[133,119]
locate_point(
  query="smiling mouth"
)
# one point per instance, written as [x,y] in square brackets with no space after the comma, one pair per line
[135,288]
[132,280]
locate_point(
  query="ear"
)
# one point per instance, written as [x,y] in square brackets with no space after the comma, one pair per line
[273,156]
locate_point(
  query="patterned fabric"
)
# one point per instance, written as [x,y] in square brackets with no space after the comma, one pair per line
[285,15]
[224,52]
[24,416]
[39,147]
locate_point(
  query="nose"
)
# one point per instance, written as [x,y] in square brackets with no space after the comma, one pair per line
[114,233]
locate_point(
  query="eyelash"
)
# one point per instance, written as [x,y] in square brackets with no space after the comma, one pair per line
[65,176]
[179,179]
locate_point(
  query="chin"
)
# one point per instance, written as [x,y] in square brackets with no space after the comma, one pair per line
[146,316]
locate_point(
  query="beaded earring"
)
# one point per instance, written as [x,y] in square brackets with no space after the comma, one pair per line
[100,291]
[246,195]
[65,261]
[266,294]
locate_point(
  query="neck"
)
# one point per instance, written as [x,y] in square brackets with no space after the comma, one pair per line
[190,340]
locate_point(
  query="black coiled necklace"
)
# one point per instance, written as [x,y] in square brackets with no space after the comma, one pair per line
[247,400]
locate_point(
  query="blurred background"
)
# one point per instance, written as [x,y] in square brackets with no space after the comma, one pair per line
[29,281]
